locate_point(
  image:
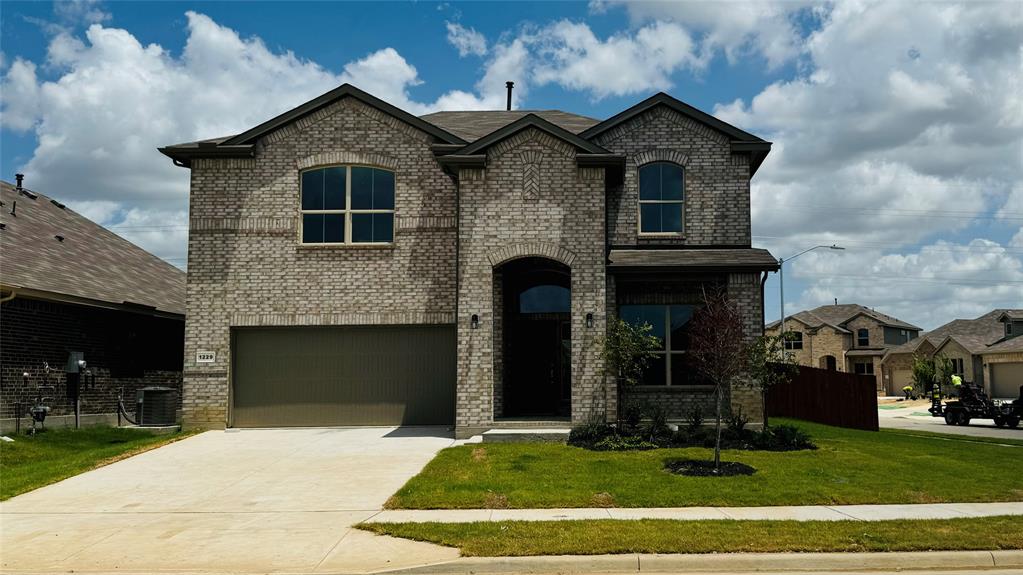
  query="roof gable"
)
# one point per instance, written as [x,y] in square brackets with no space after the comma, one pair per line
[343,91]
[473,125]
[531,121]
[679,106]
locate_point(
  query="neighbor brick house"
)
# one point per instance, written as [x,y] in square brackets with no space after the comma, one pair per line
[69,285]
[985,350]
[844,337]
[350,263]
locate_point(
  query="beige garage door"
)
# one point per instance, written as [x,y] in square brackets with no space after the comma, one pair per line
[900,378]
[1006,379]
[353,375]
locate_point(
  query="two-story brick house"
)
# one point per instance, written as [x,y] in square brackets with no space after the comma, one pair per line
[844,337]
[352,264]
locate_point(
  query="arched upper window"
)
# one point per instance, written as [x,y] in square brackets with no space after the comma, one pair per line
[661,195]
[347,205]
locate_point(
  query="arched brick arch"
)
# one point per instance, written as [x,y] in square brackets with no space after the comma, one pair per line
[328,158]
[531,249]
[661,155]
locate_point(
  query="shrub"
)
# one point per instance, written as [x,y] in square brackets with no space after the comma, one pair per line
[657,427]
[736,423]
[623,443]
[588,434]
[784,438]
[632,414]
[694,419]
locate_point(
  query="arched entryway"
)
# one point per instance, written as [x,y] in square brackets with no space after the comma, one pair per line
[829,363]
[536,338]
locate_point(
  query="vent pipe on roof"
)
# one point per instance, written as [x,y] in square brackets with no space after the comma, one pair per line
[19,178]
[509,85]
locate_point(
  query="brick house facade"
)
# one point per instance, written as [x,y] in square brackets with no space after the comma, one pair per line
[517,234]
[69,286]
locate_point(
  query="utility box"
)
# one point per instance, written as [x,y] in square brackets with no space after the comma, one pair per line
[156,406]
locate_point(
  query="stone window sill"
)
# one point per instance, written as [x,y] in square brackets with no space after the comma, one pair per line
[671,388]
[365,246]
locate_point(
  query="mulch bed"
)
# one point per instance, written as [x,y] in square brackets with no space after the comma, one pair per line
[699,468]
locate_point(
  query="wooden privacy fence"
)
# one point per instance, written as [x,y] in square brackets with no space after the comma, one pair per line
[829,397]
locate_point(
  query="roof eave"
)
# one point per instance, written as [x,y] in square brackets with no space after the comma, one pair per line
[183,155]
[675,104]
[342,91]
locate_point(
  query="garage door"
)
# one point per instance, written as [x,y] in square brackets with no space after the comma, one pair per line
[900,378]
[323,376]
[1006,379]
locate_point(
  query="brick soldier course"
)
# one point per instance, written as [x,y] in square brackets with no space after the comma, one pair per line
[473,191]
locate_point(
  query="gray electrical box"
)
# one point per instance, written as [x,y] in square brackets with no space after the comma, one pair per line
[72,361]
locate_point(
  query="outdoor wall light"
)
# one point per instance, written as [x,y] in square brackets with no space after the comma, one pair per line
[589,320]
[474,321]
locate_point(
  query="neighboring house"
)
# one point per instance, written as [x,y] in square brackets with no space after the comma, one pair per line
[69,285]
[844,337]
[353,264]
[985,350]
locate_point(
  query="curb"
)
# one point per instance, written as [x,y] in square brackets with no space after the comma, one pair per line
[732,562]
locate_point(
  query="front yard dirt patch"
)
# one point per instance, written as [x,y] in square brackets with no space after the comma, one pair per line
[700,468]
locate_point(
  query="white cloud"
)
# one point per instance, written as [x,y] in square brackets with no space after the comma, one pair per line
[929,286]
[114,100]
[467,40]
[80,11]
[736,28]
[572,56]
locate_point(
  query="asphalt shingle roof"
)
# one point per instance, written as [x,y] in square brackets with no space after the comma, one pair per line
[90,262]
[473,125]
[837,315]
[978,335]
[752,258]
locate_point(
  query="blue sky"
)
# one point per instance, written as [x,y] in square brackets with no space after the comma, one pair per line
[896,125]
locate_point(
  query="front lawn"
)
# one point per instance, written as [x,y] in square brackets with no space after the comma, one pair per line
[512,538]
[31,462]
[850,467]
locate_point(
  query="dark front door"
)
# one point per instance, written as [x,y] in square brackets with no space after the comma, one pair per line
[537,339]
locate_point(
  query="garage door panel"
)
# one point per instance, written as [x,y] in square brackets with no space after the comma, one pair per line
[373,375]
[1006,378]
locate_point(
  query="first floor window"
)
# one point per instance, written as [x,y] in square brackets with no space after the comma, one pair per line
[957,366]
[864,368]
[794,340]
[347,205]
[669,324]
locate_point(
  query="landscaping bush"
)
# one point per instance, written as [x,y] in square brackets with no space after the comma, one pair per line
[783,438]
[589,434]
[656,434]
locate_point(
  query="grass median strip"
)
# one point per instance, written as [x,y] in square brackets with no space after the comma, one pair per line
[30,462]
[519,538]
[850,467]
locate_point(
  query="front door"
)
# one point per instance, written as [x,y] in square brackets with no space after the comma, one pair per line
[537,339]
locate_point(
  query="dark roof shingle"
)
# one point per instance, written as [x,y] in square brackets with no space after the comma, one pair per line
[748,258]
[473,125]
[91,262]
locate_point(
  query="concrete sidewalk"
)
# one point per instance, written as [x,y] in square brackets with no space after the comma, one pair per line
[795,512]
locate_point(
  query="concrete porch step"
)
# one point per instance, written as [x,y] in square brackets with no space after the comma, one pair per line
[527,435]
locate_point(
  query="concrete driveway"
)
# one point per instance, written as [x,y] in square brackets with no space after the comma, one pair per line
[279,500]
[914,417]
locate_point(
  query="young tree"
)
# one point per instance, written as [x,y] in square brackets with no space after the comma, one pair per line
[626,350]
[769,365]
[924,373]
[718,350]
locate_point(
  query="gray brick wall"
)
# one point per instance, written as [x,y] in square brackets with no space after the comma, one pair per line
[717,202]
[503,216]
[246,266]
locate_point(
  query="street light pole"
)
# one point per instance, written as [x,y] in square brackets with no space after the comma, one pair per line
[781,277]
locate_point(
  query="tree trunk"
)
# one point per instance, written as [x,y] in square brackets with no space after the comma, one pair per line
[717,430]
[763,400]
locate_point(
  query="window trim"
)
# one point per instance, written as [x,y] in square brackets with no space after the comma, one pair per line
[667,352]
[348,211]
[860,338]
[640,202]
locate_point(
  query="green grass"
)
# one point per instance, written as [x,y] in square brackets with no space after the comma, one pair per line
[850,467]
[31,462]
[513,538]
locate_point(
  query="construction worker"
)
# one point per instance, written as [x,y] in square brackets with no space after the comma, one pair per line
[956,380]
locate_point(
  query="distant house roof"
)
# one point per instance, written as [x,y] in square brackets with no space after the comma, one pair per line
[1014,345]
[838,315]
[753,259]
[978,335]
[471,126]
[49,248]
[1011,314]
